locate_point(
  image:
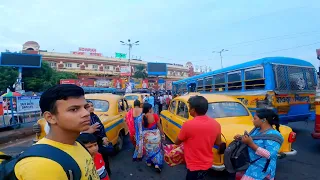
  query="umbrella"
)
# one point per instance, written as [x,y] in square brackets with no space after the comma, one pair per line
[11,94]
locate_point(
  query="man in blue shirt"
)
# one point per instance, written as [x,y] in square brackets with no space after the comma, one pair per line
[151,100]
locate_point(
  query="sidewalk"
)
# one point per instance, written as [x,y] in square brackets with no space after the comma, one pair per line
[11,135]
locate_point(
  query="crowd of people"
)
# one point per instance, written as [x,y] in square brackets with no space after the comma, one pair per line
[77,132]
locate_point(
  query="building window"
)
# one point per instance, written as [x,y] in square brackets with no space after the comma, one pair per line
[67,65]
[94,66]
[53,64]
[107,67]
[78,65]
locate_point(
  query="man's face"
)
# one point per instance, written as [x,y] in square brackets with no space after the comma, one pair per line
[71,115]
[92,148]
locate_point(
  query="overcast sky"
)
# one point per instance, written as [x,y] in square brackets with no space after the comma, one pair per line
[169,31]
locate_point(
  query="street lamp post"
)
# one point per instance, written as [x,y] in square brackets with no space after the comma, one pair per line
[129,44]
[220,52]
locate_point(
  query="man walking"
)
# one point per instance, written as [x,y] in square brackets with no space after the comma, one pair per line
[199,136]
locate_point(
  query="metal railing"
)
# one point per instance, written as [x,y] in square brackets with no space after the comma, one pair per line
[11,117]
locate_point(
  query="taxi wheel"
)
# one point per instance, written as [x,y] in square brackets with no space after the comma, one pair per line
[119,144]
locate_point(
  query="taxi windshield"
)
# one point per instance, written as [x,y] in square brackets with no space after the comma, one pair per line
[226,109]
[100,105]
[131,97]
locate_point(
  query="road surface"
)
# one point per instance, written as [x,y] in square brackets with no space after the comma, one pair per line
[303,166]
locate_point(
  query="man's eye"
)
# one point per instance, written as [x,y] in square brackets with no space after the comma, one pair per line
[74,109]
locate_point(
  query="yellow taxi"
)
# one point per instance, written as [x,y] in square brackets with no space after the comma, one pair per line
[233,116]
[110,108]
[131,97]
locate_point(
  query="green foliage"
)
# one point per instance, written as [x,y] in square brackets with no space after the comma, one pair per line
[43,78]
[8,76]
[140,72]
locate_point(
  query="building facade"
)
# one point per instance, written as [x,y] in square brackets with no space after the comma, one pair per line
[98,68]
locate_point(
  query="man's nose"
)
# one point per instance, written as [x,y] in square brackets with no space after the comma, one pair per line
[85,112]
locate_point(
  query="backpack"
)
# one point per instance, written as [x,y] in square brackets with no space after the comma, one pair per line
[69,165]
[236,156]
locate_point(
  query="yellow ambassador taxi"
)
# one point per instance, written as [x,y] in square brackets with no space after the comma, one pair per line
[232,115]
[131,97]
[111,109]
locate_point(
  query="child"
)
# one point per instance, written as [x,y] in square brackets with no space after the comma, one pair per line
[90,142]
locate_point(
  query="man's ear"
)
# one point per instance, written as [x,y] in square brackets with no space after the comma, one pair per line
[49,117]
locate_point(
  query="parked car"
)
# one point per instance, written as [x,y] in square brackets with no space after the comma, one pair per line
[111,109]
[233,116]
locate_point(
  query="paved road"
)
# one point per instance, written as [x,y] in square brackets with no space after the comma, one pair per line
[303,166]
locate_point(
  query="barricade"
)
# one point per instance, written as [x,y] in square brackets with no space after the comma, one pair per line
[15,111]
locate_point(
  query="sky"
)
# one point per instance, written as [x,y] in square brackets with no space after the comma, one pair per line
[169,31]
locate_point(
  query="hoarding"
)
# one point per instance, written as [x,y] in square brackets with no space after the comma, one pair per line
[82,83]
[168,85]
[157,69]
[145,84]
[28,104]
[117,83]
[20,60]
[125,71]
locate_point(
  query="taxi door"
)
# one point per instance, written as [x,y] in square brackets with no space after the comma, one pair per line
[117,123]
[167,119]
[181,116]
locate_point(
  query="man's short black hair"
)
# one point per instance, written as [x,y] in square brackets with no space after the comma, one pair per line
[199,104]
[59,92]
[86,138]
[136,103]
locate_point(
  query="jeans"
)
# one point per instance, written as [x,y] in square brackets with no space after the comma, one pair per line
[196,175]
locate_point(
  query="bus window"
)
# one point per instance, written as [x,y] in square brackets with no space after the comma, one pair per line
[310,75]
[220,82]
[280,77]
[254,78]
[296,79]
[200,85]
[234,81]
[208,84]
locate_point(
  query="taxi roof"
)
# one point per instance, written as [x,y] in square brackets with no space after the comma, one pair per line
[104,96]
[210,97]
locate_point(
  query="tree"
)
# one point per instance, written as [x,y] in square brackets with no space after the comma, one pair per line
[8,76]
[140,72]
[43,78]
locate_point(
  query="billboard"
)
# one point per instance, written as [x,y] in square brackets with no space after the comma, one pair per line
[28,104]
[161,84]
[20,60]
[157,69]
[125,71]
[103,83]
[145,84]
[85,82]
[168,85]
[117,83]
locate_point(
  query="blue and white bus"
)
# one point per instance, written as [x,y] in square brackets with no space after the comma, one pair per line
[287,85]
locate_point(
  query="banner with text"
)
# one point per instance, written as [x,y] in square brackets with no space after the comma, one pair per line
[28,104]
[125,71]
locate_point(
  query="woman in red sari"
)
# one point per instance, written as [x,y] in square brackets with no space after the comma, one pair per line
[134,112]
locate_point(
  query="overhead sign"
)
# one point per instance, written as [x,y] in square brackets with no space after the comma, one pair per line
[121,55]
[28,104]
[125,71]
[88,49]
[20,60]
